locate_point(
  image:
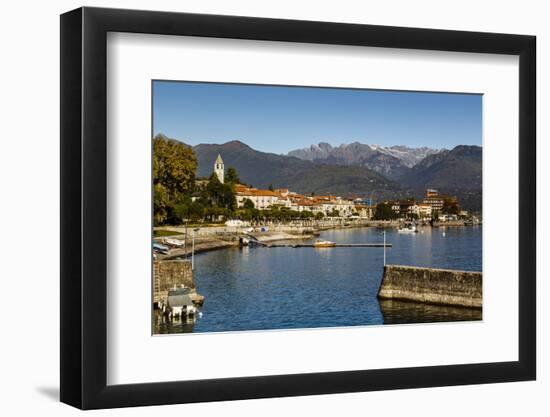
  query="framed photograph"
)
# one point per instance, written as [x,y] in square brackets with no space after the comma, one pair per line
[256,208]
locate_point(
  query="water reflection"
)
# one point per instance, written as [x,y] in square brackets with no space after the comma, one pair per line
[403,312]
[164,325]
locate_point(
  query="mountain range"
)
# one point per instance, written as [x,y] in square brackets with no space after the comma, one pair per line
[262,169]
[383,173]
[392,162]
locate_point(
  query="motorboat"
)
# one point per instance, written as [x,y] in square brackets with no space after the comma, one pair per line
[324,244]
[407,228]
[157,247]
[173,242]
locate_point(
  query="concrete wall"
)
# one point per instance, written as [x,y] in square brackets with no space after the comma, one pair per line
[167,274]
[430,285]
[451,223]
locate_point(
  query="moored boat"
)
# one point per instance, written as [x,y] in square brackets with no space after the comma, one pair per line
[173,242]
[157,247]
[408,228]
[324,244]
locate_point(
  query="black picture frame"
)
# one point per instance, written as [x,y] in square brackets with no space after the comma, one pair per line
[84,207]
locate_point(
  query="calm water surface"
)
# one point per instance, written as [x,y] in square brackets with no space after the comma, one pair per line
[259,288]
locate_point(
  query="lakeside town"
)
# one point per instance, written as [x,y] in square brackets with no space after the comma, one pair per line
[277,214]
[253,206]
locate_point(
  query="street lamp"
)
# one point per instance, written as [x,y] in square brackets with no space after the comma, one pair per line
[384,233]
[384,248]
[185,240]
[193,250]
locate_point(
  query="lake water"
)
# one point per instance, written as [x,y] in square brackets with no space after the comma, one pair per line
[259,288]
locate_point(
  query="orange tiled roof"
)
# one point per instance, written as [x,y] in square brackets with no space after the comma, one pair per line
[258,193]
[306,203]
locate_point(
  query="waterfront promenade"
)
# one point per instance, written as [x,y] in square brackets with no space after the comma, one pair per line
[219,236]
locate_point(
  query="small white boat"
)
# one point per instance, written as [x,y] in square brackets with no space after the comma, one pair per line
[157,247]
[173,242]
[324,244]
[410,228]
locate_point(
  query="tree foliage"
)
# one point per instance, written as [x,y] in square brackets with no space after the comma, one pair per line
[221,195]
[232,177]
[248,204]
[384,212]
[450,206]
[174,165]
[174,168]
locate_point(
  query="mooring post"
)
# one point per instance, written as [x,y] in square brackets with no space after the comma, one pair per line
[384,248]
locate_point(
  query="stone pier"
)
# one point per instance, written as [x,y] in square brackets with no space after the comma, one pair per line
[170,274]
[431,285]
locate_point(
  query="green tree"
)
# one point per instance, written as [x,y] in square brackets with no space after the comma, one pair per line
[248,204]
[319,216]
[270,188]
[334,213]
[450,206]
[232,177]
[161,204]
[174,168]
[221,195]
[384,212]
[188,210]
[174,165]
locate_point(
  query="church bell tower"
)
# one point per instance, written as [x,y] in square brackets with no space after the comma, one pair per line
[218,168]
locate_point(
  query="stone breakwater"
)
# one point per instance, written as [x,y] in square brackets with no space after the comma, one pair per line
[431,285]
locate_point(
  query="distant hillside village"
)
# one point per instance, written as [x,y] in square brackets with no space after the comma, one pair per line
[180,197]
[444,207]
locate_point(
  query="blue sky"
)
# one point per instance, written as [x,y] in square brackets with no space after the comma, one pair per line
[279,119]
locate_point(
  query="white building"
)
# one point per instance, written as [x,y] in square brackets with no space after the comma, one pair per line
[282,197]
[262,199]
[365,211]
[421,210]
[424,211]
[344,207]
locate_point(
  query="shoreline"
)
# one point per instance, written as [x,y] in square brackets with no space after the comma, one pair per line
[207,244]
[210,238]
